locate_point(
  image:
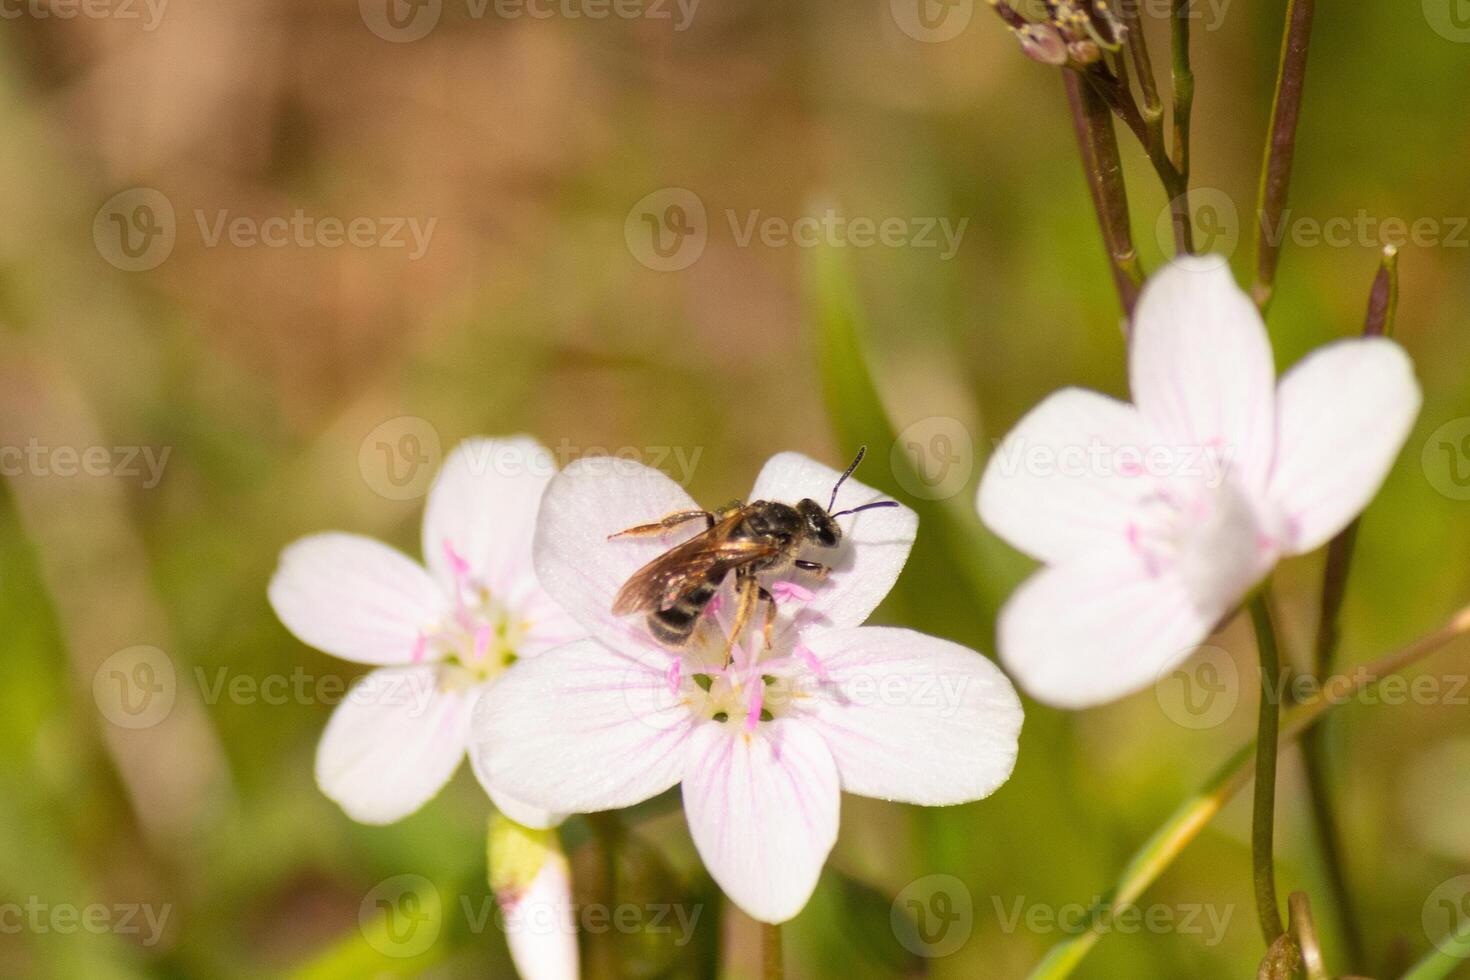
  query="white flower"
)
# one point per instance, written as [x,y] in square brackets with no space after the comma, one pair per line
[764,746]
[1155,519]
[440,637]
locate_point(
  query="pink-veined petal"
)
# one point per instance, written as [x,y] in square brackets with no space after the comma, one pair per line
[913,718]
[1343,414]
[1097,628]
[580,729]
[483,504]
[762,809]
[1068,477]
[1200,366]
[355,598]
[393,743]
[875,544]
[585,503]
[541,926]
[522,813]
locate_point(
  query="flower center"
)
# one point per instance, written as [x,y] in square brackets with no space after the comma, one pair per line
[1208,534]
[478,639]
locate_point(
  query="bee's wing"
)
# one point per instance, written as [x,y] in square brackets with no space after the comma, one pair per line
[710,554]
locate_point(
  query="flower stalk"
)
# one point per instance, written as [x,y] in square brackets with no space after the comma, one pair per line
[1382,307]
[1263,822]
[1098,145]
[773,963]
[1183,87]
[1281,146]
[1196,812]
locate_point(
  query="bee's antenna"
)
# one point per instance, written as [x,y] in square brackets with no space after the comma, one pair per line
[876,503]
[862,451]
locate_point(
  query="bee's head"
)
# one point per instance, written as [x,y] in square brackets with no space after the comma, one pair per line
[818,524]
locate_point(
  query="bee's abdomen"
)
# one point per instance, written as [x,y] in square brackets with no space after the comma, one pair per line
[673,626]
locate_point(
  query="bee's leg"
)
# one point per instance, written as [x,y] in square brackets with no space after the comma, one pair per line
[815,567]
[770,625]
[672,521]
[748,590]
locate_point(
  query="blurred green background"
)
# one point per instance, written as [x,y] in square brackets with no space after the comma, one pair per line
[273,375]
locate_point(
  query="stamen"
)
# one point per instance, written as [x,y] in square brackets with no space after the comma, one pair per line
[420,648]
[810,658]
[757,702]
[675,674]
[782,591]
[483,636]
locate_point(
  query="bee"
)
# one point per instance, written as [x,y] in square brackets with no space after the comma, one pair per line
[746,539]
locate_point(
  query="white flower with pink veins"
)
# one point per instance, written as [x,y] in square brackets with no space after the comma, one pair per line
[1156,518]
[764,745]
[440,637]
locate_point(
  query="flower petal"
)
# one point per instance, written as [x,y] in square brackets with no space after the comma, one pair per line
[541,926]
[1343,415]
[522,813]
[1097,628]
[355,598]
[762,809]
[579,729]
[912,718]
[1201,368]
[393,743]
[590,500]
[1068,477]
[483,504]
[875,544]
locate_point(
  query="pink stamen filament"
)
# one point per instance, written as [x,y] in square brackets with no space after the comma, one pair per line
[757,701]
[783,591]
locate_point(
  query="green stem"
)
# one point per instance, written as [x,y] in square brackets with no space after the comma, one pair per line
[773,963]
[1263,821]
[1098,146]
[1196,812]
[1448,956]
[1286,110]
[603,951]
[1183,87]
